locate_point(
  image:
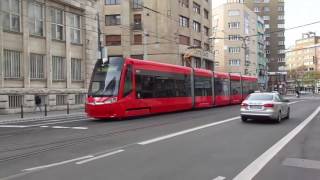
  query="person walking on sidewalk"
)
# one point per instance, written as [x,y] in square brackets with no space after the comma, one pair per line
[37,100]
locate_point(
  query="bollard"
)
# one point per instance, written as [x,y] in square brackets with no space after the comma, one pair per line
[45,110]
[68,110]
[21,111]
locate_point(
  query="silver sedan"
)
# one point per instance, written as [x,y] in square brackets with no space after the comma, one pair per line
[265,106]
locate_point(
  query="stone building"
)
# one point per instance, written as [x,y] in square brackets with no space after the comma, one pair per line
[47,47]
[159,30]
[239,41]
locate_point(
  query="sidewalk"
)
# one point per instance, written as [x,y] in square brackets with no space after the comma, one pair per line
[40,116]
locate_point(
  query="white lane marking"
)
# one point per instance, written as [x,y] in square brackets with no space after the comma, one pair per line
[99,157]
[60,122]
[302,163]
[57,164]
[12,126]
[186,131]
[295,102]
[219,178]
[44,126]
[80,128]
[255,167]
[60,127]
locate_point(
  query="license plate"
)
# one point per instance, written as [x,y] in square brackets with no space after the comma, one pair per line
[255,107]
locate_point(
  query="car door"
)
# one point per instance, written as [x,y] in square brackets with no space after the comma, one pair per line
[282,105]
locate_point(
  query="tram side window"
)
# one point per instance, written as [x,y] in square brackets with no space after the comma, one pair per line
[245,87]
[221,87]
[128,82]
[203,86]
[235,87]
[152,84]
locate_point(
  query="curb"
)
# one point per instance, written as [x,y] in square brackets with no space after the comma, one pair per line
[53,117]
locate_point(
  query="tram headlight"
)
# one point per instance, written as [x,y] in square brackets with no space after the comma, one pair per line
[111,100]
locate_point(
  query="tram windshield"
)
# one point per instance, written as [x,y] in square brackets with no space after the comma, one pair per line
[106,78]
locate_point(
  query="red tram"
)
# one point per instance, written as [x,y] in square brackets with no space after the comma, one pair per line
[122,88]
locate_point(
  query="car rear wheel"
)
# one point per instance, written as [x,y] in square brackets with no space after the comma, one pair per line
[244,119]
[279,117]
[288,114]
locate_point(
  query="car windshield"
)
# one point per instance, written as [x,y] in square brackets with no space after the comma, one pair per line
[105,78]
[260,97]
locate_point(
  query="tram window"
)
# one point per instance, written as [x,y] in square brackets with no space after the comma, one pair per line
[235,87]
[128,81]
[245,87]
[203,86]
[221,87]
[153,84]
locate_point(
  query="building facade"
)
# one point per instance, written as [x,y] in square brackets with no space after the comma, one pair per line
[159,30]
[239,41]
[272,12]
[303,58]
[47,48]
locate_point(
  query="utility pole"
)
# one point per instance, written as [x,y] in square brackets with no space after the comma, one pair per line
[145,41]
[99,38]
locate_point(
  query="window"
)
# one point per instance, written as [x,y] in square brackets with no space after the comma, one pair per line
[196,26]
[266,18]
[280,34]
[281,59]
[233,12]
[256,9]
[57,24]
[112,20]
[113,40]
[234,49]
[76,69]
[11,63]
[206,47]
[221,87]
[58,68]
[79,98]
[197,62]
[234,25]
[267,51]
[280,25]
[235,87]
[128,81]
[35,12]
[266,1]
[234,62]
[112,2]
[137,39]
[235,37]
[206,30]
[266,9]
[197,43]
[281,17]
[185,40]
[267,26]
[36,66]
[183,21]
[137,56]
[281,43]
[202,86]
[75,26]
[154,84]
[15,101]
[196,8]
[267,43]
[280,8]
[61,100]
[281,51]
[137,4]
[10,10]
[184,3]
[209,64]
[206,13]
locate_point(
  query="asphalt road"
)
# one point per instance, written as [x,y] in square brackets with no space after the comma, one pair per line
[207,144]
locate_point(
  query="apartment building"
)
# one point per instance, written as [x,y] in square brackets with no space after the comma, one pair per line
[47,48]
[272,11]
[303,57]
[239,41]
[159,30]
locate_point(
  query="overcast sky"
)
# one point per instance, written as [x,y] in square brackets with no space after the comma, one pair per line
[297,12]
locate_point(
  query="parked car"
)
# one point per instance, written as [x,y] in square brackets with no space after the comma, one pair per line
[265,106]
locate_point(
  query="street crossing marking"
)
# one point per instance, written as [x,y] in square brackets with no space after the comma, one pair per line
[256,166]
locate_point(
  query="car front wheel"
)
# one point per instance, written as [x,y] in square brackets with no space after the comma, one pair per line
[244,119]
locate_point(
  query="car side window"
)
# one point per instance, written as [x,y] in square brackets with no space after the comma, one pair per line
[277,98]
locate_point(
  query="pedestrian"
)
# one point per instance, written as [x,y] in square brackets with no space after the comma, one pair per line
[37,101]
